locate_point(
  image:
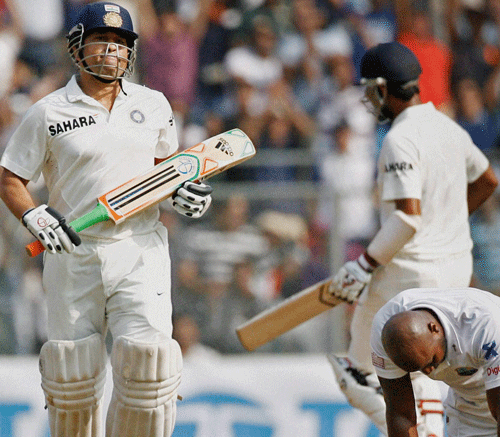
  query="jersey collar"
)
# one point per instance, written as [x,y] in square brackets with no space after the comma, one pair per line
[75,94]
[413,111]
[453,346]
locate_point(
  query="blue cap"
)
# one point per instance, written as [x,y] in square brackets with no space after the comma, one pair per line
[392,61]
[107,16]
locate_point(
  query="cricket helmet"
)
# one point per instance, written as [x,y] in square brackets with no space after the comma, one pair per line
[393,65]
[102,16]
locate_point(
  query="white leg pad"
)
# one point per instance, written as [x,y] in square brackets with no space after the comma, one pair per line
[73,378]
[430,413]
[361,389]
[146,377]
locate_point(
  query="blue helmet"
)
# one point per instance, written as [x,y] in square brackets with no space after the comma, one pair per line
[389,68]
[102,16]
[392,61]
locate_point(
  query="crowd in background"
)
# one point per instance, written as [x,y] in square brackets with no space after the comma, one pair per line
[287,73]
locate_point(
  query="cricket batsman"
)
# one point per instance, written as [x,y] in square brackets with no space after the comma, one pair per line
[94,134]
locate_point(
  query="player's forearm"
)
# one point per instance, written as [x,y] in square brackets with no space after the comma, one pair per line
[14,193]
[481,189]
[401,427]
[395,232]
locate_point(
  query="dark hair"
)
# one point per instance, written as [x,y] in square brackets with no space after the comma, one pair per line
[405,94]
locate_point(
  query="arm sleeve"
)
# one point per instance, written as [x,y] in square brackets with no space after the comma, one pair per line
[27,148]
[399,168]
[168,142]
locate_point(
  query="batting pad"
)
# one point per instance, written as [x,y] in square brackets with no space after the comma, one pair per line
[73,378]
[146,377]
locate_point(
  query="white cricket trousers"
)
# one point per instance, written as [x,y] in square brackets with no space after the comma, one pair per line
[396,276]
[121,285]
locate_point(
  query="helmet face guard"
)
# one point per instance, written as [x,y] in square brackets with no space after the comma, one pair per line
[375,100]
[124,66]
[103,17]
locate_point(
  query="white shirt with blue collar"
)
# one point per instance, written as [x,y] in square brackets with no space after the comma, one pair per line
[471,322]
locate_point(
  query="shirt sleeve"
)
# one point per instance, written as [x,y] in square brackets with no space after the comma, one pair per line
[168,142]
[384,367]
[399,170]
[26,150]
[488,346]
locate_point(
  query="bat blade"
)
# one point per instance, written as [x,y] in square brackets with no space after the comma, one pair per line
[286,315]
[197,163]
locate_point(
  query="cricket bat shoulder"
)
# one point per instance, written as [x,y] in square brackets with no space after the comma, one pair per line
[286,315]
[199,162]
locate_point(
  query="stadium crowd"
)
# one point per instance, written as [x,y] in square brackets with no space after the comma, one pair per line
[287,73]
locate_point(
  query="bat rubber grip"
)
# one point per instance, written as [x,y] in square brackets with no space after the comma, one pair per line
[35,248]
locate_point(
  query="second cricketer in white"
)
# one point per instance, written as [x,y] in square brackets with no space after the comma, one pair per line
[431,176]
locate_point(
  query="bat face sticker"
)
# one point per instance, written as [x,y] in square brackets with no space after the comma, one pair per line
[186,165]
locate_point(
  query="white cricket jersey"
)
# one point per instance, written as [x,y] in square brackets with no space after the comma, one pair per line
[471,322]
[427,156]
[84,151]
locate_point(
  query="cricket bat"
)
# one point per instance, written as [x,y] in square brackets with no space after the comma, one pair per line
[288,314]
[197,163]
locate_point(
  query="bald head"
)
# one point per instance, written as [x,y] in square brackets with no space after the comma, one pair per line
[414,340]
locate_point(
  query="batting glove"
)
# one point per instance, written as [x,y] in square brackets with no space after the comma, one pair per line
[351,279]
[50,228]
[192,199]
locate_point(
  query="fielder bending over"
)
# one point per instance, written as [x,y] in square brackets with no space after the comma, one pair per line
[451,335]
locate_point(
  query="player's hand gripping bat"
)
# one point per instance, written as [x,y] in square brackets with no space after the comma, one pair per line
[197,163]
[288,314]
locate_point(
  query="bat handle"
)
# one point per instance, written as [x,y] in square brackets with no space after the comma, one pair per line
[35,248]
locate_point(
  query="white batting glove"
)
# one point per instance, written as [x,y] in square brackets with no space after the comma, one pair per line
[192,199]
[50,228]
[351,279]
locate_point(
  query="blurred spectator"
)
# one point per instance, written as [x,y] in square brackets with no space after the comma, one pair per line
[473,116]
[416,32]
[190,295]
[170,56]
[218,246]
[187,333]
[380,21]
[11,37]
[212,95]
[286,127]
[473,55]
[346,200]
[344,103]
[30,310]
[300,52]
[254,68]
[7,333]
[42,24]
[279,273]
[485,232]
[276,11]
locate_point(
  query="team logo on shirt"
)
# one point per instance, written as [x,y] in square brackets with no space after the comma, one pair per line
[137,116]
[490,350]
[71,124]
[398,166]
